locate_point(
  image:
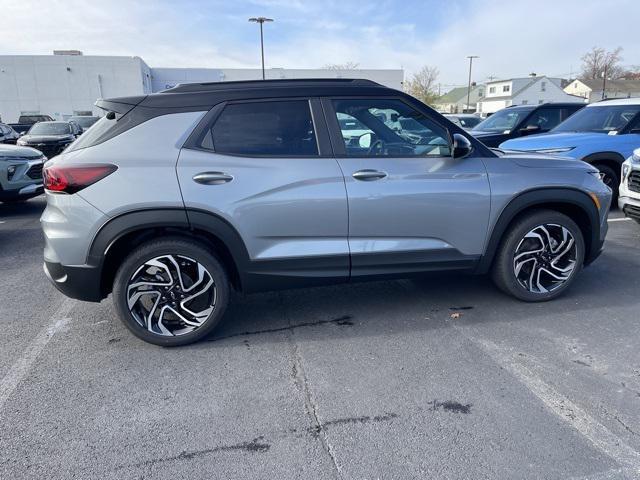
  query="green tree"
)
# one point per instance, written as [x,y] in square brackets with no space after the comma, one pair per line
[423,84]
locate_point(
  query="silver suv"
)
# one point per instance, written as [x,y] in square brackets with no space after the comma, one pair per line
[171,200]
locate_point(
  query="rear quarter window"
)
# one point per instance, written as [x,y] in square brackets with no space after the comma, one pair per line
[274,128]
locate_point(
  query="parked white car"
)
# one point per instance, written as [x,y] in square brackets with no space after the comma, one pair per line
[629,199]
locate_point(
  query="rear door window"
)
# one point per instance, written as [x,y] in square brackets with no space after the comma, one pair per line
[274,128]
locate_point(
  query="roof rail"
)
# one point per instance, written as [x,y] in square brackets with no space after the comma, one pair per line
[285,82]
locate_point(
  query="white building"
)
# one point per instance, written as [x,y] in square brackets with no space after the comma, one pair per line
[68,83]
[523,91]
[591,90]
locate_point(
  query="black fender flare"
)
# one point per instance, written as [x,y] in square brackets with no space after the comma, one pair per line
[595,157]
[541,197]
[183,221]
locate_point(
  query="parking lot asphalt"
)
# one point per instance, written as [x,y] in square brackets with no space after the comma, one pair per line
[441,377]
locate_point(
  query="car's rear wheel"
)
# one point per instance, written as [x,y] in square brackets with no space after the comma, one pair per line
[539,257]
[171,292]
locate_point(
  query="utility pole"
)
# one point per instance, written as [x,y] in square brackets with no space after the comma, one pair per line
[470,57]
[604,82]
[261,21]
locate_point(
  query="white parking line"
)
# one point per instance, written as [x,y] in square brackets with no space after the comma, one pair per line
[20,369]
[599,435]
[619,219]
[2,221]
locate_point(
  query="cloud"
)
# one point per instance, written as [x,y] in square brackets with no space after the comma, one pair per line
[512,38]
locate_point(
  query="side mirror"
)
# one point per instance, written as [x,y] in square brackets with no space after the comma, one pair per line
[530,129]
[364,141]
[461,146]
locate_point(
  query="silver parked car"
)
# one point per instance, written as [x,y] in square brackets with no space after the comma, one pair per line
[172,199]
[20,173]
[629,199]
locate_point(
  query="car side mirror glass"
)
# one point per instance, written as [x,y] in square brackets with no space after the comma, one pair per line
[364,141]
[461,146]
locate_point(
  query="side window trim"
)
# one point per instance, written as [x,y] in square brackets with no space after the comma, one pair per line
[335,132]
[194,140]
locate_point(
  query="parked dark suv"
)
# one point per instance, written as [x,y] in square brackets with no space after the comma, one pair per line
[172,199]
[50,138]
[522,120]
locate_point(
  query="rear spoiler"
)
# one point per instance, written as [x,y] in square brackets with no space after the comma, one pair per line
[121,105]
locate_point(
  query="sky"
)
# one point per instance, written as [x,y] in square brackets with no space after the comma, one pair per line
[512,38]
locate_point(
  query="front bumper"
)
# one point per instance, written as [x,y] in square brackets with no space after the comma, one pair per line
[628,199]
[630,207]
[28,191]
[81,282]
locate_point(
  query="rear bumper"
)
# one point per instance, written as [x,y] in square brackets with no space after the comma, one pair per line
[81,282]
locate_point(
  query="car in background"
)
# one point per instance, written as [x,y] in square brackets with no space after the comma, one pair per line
[51,138]
[464,120]
[603,134]
[26,121]
[85,121]
[8,134]
[20,173]
[629,199]
[522,120]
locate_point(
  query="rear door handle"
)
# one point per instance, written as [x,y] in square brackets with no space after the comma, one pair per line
[212,178]
[368,175]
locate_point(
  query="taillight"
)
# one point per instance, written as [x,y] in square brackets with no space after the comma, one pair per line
[73,178]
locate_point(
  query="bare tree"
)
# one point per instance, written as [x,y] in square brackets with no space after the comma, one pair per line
[423,84]
[342,66]
[597,60]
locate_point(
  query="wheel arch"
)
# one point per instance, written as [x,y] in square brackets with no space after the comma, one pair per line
[121,234]
[574,203]
[613,160]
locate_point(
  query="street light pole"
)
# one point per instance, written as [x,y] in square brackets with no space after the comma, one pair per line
[604,82]
[261,20]
[470,57]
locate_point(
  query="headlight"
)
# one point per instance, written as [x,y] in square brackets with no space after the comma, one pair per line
[11,170]
[555,150]
[635,158]
[626,168]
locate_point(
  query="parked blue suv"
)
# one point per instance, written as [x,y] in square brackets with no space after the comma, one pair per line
[603,134]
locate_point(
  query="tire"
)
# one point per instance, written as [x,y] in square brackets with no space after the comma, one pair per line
[168,295]
[611,179]
[527,235]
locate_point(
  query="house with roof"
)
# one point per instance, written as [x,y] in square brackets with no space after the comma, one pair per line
[591,89]
[455,101]
[532,90]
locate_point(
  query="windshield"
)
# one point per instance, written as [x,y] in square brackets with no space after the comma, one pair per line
[84,122]
[504,120]
[601,119]
[469,122]
[46,128]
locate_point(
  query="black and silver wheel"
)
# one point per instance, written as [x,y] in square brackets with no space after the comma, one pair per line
[539,256]
[171,292]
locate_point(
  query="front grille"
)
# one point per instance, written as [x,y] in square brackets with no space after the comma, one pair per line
[48,150]
[632,211]
[35,172]
[634,181]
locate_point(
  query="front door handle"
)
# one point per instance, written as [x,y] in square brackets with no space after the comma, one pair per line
[212,178]
[368,175]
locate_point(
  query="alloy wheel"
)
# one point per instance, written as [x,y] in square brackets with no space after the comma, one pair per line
[545,258]
[171,295]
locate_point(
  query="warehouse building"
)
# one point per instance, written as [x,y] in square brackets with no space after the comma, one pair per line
[68,83]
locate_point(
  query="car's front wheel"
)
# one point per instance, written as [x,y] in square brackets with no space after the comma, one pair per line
[171,292]
[539,257]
